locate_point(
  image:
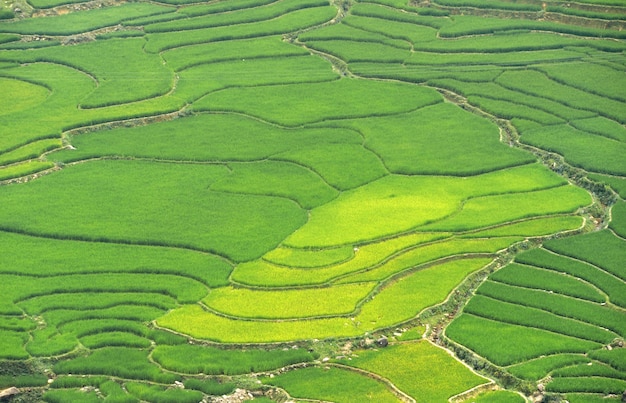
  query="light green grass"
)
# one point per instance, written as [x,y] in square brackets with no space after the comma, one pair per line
[193,320]
[440,375]
[12,345]
[262,273]
[441,139]
[433,252]
[394,197]
[283,304]
[20,95]
[284,104]
[534,227]
[84,21]
[199,80]
[289,22]
[205,137]
[262,47]
[308,258]
[491,210]
[498,396]
[332,384]
[29,151]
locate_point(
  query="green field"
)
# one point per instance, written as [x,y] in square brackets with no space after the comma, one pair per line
[311,200]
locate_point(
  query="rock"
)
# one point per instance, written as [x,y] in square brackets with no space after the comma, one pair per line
[325,359]
[382,342]
[9,392]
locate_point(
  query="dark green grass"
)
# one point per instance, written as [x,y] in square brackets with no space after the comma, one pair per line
[91,301]
[193,359]
[613,287]
[206,137]
[560,305]
[428,140]
[120,362]
[579,148]
[71,395]
[114,339]
[534,318]
[89,20]
[616,358]
[40,257]
[505,344]
[538,368]
[586,370]
[210,386]
[587,385]
[12,345]
[529,277]
[602,249]
[601,126]
[618,224]
[124,201]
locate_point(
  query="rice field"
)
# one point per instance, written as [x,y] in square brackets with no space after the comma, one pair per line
[256,196]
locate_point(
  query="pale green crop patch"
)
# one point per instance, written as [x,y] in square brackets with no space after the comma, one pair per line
[283,304]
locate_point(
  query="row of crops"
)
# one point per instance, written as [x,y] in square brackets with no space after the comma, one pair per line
[254,197]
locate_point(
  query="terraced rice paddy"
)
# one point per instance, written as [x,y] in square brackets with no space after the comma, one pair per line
[313,200]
